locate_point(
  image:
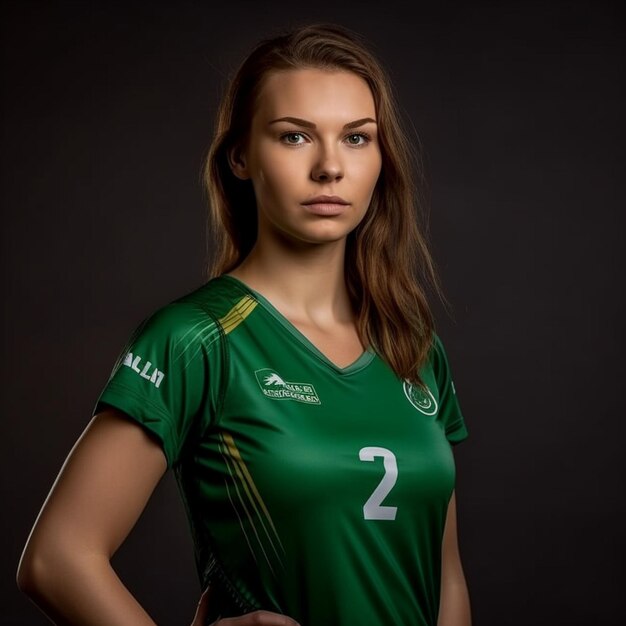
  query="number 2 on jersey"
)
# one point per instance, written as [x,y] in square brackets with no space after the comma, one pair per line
[373,509]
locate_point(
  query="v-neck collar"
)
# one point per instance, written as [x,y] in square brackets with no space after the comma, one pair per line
[362,361]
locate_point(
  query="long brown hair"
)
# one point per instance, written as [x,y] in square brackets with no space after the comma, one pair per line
[388,266]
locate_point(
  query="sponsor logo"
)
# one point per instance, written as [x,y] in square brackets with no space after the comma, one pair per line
[422,399]
[145,370]
[275,387]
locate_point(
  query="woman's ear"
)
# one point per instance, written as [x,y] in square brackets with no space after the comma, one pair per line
[237,162]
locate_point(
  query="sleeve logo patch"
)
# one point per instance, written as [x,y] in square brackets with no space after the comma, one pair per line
[422,400]
[274,386]
[145,370]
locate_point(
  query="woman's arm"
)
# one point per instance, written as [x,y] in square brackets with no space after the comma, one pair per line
[454,606]
[100,492]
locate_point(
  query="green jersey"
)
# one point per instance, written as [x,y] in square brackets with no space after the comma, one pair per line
[311,490]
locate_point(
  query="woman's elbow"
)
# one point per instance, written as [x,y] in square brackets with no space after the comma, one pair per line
[32,571]
[44,564]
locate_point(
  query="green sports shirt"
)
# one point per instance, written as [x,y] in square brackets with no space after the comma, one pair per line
[311,490]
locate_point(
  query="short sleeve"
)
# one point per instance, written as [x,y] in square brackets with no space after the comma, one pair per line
[167,378]
[449,412]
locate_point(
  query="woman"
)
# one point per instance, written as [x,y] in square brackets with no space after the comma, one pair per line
[301,396]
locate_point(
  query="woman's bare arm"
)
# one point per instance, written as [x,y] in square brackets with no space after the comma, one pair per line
[454,608]
[95,501]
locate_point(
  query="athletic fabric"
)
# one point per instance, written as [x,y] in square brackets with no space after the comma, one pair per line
[311,490]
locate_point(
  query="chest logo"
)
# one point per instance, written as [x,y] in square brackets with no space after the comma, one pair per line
[422,399]
[275,387]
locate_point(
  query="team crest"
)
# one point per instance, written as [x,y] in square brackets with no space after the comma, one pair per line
[422,399]
[274,386]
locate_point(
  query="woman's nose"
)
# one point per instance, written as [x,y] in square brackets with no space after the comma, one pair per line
[328,166]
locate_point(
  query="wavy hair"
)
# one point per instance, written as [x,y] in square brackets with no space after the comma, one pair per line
[388,266]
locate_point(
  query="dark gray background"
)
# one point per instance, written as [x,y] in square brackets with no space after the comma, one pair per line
[107,111]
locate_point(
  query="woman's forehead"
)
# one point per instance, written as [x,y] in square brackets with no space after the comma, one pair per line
[311,93]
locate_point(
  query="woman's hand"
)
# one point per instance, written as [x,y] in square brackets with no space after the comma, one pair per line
[256,618]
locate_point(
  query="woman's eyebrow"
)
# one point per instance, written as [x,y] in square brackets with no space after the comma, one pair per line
[306,124]
[357,123]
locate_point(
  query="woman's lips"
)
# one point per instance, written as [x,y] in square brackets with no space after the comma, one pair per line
[326,205]
[326,208]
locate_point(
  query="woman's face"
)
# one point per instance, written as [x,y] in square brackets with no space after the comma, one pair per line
[312,154]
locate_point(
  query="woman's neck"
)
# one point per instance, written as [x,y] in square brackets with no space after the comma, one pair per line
[305,284]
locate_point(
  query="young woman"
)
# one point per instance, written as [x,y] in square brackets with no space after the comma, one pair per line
[301,396]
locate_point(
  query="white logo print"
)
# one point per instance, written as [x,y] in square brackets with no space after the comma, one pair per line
[273,386]
[154,375]
[422,399]
[273,379]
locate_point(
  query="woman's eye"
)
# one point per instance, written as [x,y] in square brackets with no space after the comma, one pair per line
[293,138]
[358,139]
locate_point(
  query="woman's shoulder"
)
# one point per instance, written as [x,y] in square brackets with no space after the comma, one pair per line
[205,305]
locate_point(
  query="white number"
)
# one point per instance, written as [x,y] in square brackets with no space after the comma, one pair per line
[373,509]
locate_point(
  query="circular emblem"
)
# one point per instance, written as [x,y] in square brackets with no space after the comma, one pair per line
[422,400]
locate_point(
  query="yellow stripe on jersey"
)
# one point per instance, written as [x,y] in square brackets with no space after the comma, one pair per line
[248,483]
[238,314]
[229,461]
[243,529]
